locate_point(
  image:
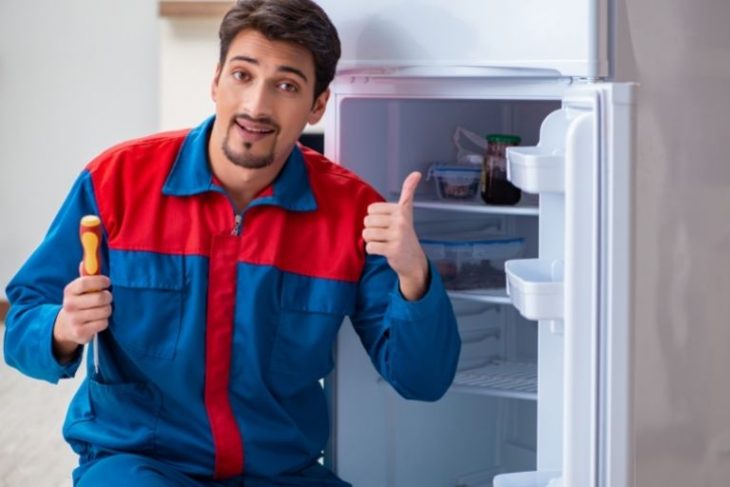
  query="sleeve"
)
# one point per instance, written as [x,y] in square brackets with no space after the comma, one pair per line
[36,291]
[414,345]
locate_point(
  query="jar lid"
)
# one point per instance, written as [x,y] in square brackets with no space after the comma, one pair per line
[504,139]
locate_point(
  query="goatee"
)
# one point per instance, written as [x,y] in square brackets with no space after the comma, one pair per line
[245,159]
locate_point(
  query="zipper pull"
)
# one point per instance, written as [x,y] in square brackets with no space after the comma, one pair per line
[237,225]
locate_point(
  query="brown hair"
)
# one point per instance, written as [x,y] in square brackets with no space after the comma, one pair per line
[300,21]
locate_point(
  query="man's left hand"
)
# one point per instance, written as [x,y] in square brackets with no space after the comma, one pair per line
[389,232]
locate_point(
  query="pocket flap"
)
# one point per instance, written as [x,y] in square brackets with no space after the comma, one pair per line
[147,270]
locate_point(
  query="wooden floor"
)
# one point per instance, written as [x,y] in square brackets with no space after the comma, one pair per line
[32,450]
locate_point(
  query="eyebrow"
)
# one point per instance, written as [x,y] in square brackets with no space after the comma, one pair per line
[284,68]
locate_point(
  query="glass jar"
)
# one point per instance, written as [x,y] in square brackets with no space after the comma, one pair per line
[494,186]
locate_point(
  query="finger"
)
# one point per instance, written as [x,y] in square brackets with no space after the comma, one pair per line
[409,189]
[376,248]
[382,208]
[84,317]
[377,221]
[376,235]
[88,300]
[86,284]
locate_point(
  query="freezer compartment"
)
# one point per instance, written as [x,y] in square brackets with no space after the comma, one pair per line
[536,287]
[529,479]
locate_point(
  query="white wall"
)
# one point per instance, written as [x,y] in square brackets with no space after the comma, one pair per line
[188,57]
[76,76]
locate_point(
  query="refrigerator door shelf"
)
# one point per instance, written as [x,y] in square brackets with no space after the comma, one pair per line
[516,380]
[536,287]
[535,171]
[529,479]
[541,169]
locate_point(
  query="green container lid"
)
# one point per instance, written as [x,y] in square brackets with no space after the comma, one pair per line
[504,139]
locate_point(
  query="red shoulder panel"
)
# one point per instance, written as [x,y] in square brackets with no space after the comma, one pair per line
[128,181]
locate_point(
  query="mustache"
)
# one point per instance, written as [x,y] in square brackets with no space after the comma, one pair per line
[240,117]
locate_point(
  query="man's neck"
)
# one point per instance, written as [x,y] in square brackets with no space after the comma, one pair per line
[242,184]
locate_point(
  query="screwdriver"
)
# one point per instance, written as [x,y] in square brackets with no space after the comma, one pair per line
[90,235]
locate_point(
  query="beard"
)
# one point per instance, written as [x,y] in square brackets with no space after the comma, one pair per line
[243,157]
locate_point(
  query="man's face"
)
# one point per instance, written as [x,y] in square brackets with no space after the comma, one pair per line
[264,96]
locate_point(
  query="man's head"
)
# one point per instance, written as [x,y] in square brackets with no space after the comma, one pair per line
[277,59]
[302,22]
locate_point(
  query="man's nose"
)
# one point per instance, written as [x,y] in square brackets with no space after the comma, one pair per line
[257,100]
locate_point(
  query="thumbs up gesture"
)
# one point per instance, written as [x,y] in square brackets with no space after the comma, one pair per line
[389,232]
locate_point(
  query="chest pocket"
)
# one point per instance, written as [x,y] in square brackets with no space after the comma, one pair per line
[311,312]
[148,302]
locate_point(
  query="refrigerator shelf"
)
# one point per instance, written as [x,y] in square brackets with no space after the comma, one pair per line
[517,380]
[494,296]
[536,287]
[536,170]
[476,207]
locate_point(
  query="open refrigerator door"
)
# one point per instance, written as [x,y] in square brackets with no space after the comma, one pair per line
[508,407]
[579,284]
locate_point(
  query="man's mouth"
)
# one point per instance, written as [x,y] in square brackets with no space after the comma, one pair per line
[253,131]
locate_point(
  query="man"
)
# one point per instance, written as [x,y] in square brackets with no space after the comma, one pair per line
[233,255]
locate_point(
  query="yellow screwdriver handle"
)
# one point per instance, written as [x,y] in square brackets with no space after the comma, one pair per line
[90,235]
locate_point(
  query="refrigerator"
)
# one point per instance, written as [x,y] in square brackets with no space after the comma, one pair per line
[542,394]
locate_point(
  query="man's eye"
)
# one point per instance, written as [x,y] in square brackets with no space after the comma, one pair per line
[240,75]
[289,87]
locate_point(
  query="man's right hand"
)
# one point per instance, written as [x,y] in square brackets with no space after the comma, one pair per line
[85,312]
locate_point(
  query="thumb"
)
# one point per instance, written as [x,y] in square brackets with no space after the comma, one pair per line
[409,189]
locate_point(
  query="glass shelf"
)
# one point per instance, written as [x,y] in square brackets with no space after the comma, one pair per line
[476,207]
[517,380]
[495,296]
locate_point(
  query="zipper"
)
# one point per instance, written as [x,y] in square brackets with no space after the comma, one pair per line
[237,221]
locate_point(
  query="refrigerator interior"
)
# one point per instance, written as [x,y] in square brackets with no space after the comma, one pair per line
[488,421]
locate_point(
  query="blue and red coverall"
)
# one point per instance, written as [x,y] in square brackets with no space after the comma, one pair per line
[222,324]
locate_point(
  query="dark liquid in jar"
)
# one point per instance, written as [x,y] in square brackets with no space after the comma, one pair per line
[498,190]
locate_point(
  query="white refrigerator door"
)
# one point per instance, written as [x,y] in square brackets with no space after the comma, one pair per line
[569,37]
[581,169]
[597,237]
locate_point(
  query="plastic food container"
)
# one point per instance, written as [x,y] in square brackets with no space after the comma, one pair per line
[456,182]
[472,264]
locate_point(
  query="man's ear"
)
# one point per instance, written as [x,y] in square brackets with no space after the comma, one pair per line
[320,103]
[214,82]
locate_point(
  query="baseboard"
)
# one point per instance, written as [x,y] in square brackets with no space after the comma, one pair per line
[4,305]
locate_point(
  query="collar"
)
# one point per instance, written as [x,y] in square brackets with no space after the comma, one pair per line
[191,175]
